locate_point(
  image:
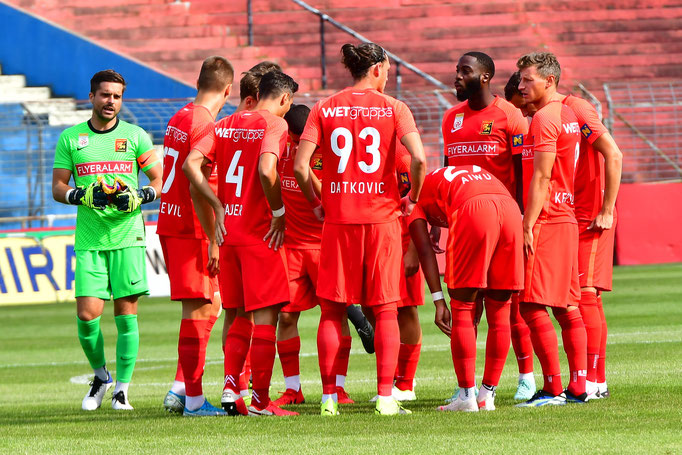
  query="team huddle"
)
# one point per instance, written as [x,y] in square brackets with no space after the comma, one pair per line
[279,208]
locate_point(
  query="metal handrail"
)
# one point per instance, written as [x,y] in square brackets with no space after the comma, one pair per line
[397,60]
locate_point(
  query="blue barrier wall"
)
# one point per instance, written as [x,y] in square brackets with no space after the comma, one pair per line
[51,56]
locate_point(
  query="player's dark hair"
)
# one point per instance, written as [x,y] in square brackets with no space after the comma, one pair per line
[216,74]
[248,85]
[512,87]
[296,118]
[485,61]
[106,76]
[274,84]
[359,59]
[546,64]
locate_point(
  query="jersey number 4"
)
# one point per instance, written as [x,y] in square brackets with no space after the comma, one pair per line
[235,173]
[344,152]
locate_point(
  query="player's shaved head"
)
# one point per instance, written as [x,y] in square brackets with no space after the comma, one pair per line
[106,76]
[275,84]
[215,75]
[484,60]
[248,85]
[359,59]
[512,87]
[296,118]
[545,63]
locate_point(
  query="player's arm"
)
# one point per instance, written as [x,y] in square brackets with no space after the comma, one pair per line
[60,184]
[207,220]
[413,144]
[192,167]
[155,176]
[613,167]
[316,183]
[269,179]
[411,260]
[518,178]
[304,176]
[537,194]
[427,258]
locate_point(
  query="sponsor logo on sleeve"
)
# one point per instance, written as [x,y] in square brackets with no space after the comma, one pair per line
[587,132]
[121,145]
[517,140]
[404,178]
[487,128]
[317,163]
[458,123]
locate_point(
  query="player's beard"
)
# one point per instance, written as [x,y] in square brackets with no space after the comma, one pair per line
[106,116]
[466,91]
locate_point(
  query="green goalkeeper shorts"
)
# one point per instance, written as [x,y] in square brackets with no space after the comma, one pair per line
[118,273]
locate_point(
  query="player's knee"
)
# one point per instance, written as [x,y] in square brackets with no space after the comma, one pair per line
[463,294]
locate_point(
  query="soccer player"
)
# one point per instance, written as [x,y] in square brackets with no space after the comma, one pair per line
[302,242]
[192,258]
[357,129]
[597,179]
[488,131]
[550,234]
[484,251]
[110,239]
[250,229]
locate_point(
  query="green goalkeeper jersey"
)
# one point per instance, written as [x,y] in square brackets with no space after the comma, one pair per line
[118,152]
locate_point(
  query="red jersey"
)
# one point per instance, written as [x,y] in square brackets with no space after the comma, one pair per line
[487,138]
[240,140]
[357,131]
[402,168]
[555,129]
[304,231]
[527,158]
[190,128]
[447,188]
[589,171]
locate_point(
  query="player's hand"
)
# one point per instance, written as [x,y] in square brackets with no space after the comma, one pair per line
[91,196]
[276,232]
[213,265]
[528,241]
[434,235]
[319,212]
[602,222]
[479,309]
[411,260]
[220,230]
[443,318]
[129,199]
[407,205]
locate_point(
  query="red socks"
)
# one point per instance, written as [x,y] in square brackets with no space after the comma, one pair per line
[575,345]
[601,362]
[236,347]
[288,351]
[545,345]
[498,341]
[589,310]
[387,345]
[179,376]
[329,342]
[520,338]
[263,353]
[341,364]
[463,342]
[192,353]
[408,358]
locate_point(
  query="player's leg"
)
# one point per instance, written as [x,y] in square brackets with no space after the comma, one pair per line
[288,349]
[341,363]
[497,307]
[523,351]
[410,349]
[329,335]
[589,310]
[601,364]
[362,326]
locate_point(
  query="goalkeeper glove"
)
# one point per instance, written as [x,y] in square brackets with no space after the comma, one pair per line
[128,200]
[92,196]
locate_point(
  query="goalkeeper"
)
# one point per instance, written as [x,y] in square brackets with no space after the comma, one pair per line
[101,154]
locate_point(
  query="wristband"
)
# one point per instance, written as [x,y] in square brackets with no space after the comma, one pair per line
[68,195]
[149,194]
[437,296]
[315,202]
[279,212]
[411,200]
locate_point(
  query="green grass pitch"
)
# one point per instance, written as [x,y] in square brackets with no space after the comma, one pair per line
[43,379]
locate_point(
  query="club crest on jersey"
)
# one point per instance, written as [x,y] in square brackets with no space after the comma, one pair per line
[587,132]
[317,163]
[517,140]
[121,145]
[458,123]
[83,140]
[487,127]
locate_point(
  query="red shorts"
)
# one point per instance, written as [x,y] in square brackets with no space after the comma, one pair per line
[411,290]
[552,272]
[253,276]
[186,260]
[360,263]
[485,245]
[303,266]
[595,256]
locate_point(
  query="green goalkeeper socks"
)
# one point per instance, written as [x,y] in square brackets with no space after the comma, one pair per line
[127,345]
[92,342]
